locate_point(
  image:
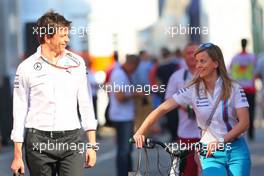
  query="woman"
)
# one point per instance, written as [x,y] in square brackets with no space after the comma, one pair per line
[221,111]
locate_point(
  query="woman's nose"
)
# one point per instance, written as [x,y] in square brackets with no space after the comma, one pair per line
[198,65]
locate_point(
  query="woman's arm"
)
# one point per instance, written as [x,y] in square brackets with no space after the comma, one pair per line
[237,130]
[165,107]
[240,127]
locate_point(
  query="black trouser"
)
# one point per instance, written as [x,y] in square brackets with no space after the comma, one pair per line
[50,154]
[251,102]
[124,131]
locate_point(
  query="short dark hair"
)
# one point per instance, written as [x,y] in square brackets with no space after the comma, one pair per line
[132,59]
[165,52]
[116,55]
[49,23]
[244,43]
[141,52]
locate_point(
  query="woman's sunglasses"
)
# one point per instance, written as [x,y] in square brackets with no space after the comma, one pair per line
[205,46]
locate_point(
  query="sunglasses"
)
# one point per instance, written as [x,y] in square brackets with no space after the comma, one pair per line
[205,46]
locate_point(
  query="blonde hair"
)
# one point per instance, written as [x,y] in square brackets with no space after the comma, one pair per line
[216,55]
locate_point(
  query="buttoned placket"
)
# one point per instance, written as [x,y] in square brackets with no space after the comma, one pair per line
[52,101]
[55,74]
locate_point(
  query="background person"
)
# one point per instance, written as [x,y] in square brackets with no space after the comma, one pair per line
[122,111]
[242,69]
[188,132]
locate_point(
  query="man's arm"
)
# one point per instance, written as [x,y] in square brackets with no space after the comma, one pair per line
[91,136]
[20,105]
[88,121]
[84,97]
[20,109]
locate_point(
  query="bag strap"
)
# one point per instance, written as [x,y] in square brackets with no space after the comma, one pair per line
[209,120]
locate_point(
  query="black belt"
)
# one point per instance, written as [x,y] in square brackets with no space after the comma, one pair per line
[53,134]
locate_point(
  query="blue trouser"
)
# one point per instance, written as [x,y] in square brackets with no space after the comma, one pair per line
[124,131]
[233,161]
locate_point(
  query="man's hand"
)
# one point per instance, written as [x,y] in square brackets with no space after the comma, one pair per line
[18,163]
[90,158]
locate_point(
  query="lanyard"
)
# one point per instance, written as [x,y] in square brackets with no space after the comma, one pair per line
[225,114]
[60,67]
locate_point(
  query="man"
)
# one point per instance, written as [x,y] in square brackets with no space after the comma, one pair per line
[108,122]
[140,77]
[122,111]
[242,70]
[48,86]
[166,68]
[188,132]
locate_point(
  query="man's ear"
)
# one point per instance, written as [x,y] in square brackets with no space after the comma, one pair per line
[47,38]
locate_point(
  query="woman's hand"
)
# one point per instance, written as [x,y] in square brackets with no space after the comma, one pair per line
[211,148]
[139,140]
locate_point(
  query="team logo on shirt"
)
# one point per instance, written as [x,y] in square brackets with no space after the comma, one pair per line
[180,91]
[37,66]
[16,82]
[243,95]
[202,102]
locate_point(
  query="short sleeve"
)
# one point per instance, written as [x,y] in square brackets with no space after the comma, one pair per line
[121,83]
[239,98]
[172,86]
[184,96]
[118,78]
